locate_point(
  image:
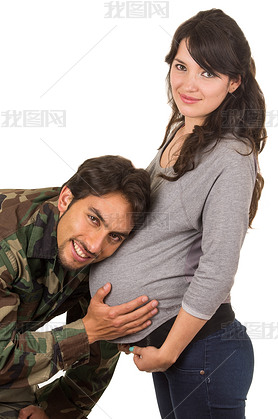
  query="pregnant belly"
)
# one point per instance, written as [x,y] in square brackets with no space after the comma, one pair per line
[169,292]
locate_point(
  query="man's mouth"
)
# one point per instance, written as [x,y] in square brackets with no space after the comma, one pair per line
[80,252]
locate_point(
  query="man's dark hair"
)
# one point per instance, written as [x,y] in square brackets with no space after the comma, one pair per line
[106,174]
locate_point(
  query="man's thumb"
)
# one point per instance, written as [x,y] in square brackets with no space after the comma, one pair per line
[103,292]
[24,413]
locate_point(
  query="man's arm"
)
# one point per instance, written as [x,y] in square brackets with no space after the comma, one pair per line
[75,394]
[28,357]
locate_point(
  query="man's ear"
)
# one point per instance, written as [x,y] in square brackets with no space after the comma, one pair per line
[64,200]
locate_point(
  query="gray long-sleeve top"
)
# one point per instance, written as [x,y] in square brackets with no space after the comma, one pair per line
[187,253]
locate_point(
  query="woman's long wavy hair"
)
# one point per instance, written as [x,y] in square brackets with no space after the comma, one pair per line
[217,44]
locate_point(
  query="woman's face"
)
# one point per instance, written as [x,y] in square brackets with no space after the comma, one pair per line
[196,92]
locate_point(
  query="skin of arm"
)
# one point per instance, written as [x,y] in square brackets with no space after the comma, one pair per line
[184,329]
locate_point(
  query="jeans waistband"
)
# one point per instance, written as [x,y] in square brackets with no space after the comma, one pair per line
[221,318]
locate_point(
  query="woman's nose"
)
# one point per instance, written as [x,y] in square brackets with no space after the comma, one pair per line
[190,82]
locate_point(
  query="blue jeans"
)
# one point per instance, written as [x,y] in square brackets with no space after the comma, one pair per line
[210,379]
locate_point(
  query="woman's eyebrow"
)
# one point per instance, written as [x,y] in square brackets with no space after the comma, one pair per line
[180,61]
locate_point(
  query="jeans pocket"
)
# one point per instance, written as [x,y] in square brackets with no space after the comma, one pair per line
[192,359]
[188,391]
[188,378]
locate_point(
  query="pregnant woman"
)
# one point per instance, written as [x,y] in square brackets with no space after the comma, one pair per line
[205,190]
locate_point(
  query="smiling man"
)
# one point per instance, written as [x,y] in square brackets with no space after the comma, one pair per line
[48,239]
[91,230]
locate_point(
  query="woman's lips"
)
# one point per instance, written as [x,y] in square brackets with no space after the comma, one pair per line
[189,99]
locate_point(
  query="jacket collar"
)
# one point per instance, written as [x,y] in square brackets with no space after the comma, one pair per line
[43,239]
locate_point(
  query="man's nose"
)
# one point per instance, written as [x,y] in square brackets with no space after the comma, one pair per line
[96,242]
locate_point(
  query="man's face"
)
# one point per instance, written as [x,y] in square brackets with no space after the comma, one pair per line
[92,228]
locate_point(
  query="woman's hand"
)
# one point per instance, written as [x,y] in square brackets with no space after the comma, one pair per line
[183,331]
[32,412]
[150,359]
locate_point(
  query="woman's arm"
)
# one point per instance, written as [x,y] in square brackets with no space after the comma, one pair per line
[184,329]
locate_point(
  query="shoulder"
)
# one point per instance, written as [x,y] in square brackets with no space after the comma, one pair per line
[19,206]
[19,196]
[230,153]
[235,145]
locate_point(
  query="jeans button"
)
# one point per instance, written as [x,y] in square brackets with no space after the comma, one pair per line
[202,372]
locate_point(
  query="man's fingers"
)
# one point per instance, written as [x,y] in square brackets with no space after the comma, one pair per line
[124,348]
[25,412]
[141,315]
[102,292]
[32,412]
[128,308]
[130,331]
[133,326]
[136,321]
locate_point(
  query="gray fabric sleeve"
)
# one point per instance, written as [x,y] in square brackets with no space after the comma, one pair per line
[225,222]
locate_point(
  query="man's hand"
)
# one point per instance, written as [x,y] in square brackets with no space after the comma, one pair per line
[124,347]
[32,412]
[103,322]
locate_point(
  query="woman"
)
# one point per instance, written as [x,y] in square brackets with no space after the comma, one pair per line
[205,190]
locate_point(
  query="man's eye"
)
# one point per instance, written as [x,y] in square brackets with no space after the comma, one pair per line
[94,219]
[116,237]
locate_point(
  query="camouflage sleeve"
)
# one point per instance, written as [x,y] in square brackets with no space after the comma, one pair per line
[32,357]
[76,393]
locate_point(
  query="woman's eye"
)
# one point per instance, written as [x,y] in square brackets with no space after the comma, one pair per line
[208,75]
[180,67]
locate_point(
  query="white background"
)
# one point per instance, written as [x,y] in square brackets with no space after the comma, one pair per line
[109,76]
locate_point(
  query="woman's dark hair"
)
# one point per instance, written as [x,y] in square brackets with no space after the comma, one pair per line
[217,44]
[106,174]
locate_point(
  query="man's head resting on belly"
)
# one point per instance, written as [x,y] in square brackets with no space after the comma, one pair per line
[99,206]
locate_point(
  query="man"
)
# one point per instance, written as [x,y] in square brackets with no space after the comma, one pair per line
[48,239]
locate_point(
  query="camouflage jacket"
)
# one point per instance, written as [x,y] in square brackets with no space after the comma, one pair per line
[34,288]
